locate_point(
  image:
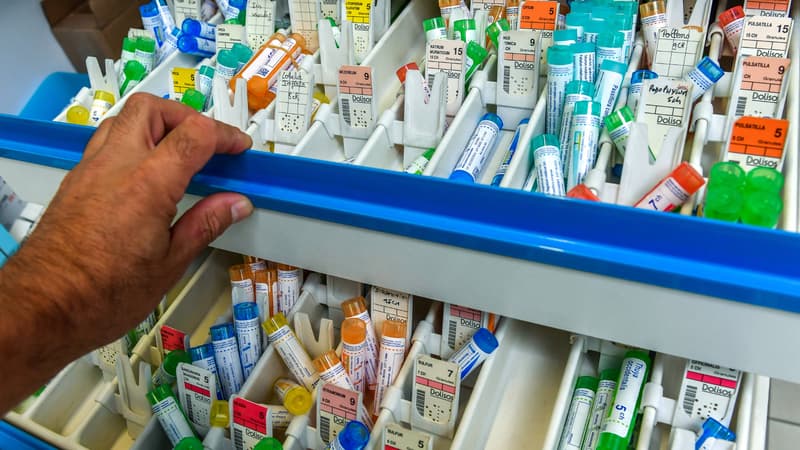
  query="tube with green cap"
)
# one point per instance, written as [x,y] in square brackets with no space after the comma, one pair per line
[268,443]
[764,179]
[190,443]
[723,202]
[169,414]
[728,173]
[600,408]
[610,45]
[761,209]
[194,99]
[466,30]
[132,74]
[619,423]
[494,30]
[434,28]
[475,57]
[618,124]
[418,165]
[128,53]
[146,53]
[165,375]
[579,409]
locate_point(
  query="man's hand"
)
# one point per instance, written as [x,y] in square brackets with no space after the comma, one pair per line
[107,249]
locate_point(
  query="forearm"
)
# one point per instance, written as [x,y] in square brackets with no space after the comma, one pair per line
[40,329]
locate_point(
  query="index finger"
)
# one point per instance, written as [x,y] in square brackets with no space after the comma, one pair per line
[187,148]
[146,119]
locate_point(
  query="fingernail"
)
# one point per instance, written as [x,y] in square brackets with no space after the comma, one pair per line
[241,210]
[247,141]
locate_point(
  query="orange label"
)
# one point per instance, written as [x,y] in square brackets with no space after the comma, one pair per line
[538,15]
[766,7]
[758,141]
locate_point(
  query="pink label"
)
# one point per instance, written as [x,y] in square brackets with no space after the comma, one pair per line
[172,339]
[355,80]
[250,415]
[465,313]
[339,401]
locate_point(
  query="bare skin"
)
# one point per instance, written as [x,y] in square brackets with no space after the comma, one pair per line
[107,250]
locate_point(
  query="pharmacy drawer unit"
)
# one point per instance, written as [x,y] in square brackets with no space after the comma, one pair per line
[79,407]
[658,281]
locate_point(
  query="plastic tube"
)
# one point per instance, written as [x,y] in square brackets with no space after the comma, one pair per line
[259,94]
[474,352]
[354,349]
[476,55]
[600,407]
[170,416]
[619,424]
[165,374]
[289,282]
[393,348]
[227,65]
[578,414]
[357,308]
[245,320]
[503,167]
[226,355]
[479,149]
[584,132]
[331,370]
[199,28]
[635,90]
[732,23]
[618,124]
[102,102]
[583,61]
[703,77]
[241,284]
[434,28]
[203,356]
[577,91]
[132,74]
[294,397]
[673,190]
[610,45]
[609,83]
[654,17]
[128,54]
[292,352]
[547,164]
[401,75]
[559,74]
[466,30]
[266,290]
[151,21]
[78,115]
[512,13]
[203,81]
[146,53]
[417,167]
[260,59]
[193,45]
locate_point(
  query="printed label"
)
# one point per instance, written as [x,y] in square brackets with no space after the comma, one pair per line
[356,104]
[549,173]
[485,5]
[761,87]
[371,350]
[395,437]
[435,385]
[479,148]
[242,291]
[260,22]
[335,407]
[602,400]
[295,357]
[767,8]
[190,9]
[358,12]
[447,56]
[354,361]
[134,33]
[229,365]
[288,288]
[389,363]
[172,339]
[518,62]
[281,417]
[251,423]
[304,21]
[182,79]
[663,106]
[709,390]
[293,108]
[766,36]
[758,141]
[330,8]
[389,304]
[229,34]
[196,391]
[459,323]
[623,409]
[578,414]
[538,15]
[107,355]
[677,51]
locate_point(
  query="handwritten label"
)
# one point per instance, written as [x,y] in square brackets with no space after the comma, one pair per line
[187,9]
[260,22]
[389,304]
[677,51]
[663,106]
[293,108]
[304,21]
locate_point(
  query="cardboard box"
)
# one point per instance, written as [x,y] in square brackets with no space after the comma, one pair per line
[104,11]
[80,36]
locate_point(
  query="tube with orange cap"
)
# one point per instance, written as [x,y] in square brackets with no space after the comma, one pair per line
[582,192]
[732,23]
[354,351]
[260,59]
[673,190]
[332,371]
[393,349]
[401,75]
[241,284]
[259,87]
[357,308]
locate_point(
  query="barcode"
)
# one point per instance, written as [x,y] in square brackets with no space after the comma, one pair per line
[507,79]
[346,109]
[421,402]
[451,334]
[325,429]
[689,399]
[189,409]
[431,77]
[238,438]
[740,105]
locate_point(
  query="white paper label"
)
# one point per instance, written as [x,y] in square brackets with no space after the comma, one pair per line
[197,388]
[435,385]
[260,22]
[447,56]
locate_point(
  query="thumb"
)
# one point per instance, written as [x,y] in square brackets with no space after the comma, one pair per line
[204,222]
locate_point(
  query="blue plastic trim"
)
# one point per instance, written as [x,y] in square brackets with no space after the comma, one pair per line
[737,262]
[13,437]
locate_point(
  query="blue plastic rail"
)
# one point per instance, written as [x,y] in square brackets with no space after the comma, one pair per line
[736,262]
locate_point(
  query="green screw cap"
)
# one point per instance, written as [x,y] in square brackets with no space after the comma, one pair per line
[723,202]
[727,173]
[146,44]
[764,179]
[194,99]
[587,382]
[610,374]
[761,209]
[128,44]
[269,443]
[159,393]
[175,357]
[190,443]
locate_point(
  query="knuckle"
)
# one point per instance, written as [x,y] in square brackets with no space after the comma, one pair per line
[138,101]
[211,226]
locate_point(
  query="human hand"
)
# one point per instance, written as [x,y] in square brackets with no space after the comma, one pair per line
[107,242]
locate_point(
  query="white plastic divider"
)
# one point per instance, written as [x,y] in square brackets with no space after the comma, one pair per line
[666,371]
[403,42]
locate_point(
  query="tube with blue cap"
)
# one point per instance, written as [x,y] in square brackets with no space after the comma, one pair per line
[704,76]
[151,21]
[203,356]
[197,46]
[479,149]
[248,335]
[226,355]
[354,436]
[501,170]
[475,351]
[635,90]
[713,432]
[199,28]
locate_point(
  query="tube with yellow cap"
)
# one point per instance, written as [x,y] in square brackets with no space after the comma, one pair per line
[292,352]
[294,397]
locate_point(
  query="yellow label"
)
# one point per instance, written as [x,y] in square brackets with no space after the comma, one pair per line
[182,79]
[358,10]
